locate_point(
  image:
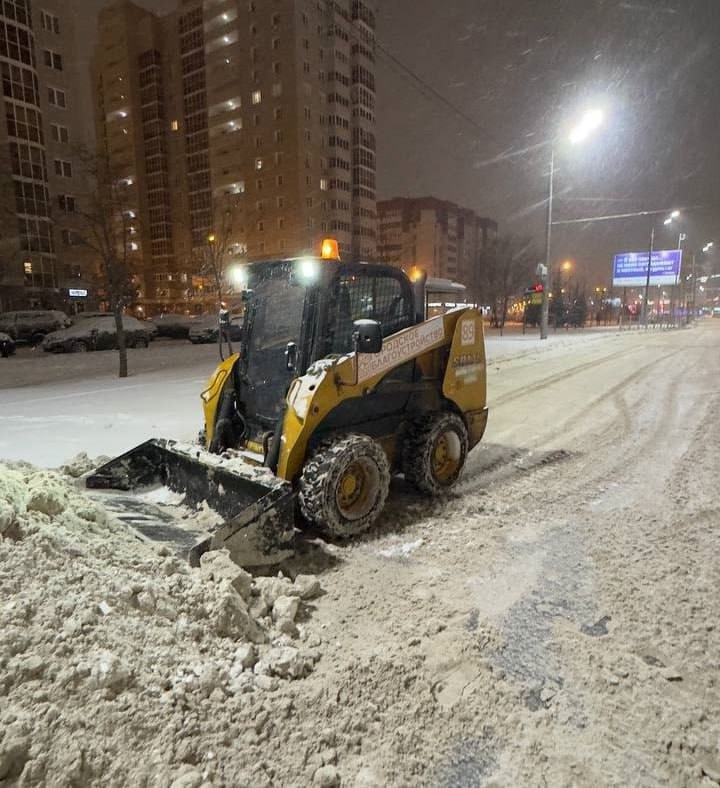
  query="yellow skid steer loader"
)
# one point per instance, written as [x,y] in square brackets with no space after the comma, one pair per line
[339,382]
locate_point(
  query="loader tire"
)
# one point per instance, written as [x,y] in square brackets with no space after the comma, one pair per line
[344,485]
[434,452]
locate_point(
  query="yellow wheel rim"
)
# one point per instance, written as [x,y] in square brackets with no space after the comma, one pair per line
[446,456]
[352,488]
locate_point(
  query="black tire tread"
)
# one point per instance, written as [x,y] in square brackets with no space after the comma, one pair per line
[417,449]
[316,495]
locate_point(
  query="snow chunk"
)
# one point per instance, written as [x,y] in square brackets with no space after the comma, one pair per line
[401,550]
[13,495]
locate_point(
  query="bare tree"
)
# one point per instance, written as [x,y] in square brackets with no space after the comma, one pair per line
[507,270]
[215,261]
[102,222]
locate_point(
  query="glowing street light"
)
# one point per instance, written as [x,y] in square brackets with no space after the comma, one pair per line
[589,123]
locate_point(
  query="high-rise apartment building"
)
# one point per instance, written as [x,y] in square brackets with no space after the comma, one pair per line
[445,240]
[44,128]
[251,120]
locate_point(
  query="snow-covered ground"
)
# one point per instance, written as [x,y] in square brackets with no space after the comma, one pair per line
[552,622]
[55,406]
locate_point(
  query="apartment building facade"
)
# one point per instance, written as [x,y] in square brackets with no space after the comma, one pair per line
[249,123]
[44,110]
[444,239]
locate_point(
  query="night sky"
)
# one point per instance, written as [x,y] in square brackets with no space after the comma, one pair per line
[523,71]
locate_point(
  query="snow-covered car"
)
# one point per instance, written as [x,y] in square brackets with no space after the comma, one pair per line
[148,324]
[174,326]
[7,345]
[205,329]
[33,324]
[97,333]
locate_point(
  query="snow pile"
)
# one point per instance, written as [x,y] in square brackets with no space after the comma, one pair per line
[110,648]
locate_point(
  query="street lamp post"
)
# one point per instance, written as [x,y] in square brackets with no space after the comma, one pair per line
[705,250]
[647,279]
[589,122]
[545,310]
[670,219]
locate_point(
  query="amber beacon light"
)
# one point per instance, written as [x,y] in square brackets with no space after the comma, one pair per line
[330,250]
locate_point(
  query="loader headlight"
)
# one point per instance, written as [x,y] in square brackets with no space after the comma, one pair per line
[308,270]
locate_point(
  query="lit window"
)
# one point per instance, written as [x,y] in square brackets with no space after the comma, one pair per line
[323,184]
[256,96]
[27,266]
[174,125]
[258,164]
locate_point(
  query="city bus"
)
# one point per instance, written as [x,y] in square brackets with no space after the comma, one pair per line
[442,295]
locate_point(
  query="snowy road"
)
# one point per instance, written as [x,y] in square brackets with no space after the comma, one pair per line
[54,406]
[553,623]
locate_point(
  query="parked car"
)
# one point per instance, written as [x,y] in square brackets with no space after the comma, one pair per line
[32,325]
[174,326]
[205,329]
[97,333]
[86,315]
[7,345]
[148,324]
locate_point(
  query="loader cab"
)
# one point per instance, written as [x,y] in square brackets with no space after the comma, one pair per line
[302,310]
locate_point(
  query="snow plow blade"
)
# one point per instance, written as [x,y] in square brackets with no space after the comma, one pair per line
[255,509]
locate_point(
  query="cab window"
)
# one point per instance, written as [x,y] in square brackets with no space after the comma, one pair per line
[367,296]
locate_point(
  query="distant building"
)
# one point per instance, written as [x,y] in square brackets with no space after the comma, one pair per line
[445,240]
[45,111]
[255,116]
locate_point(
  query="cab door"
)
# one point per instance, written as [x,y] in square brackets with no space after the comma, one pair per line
[363,291]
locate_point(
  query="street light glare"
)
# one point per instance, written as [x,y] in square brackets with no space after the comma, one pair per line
[668,220]
[589,122]
[675,215]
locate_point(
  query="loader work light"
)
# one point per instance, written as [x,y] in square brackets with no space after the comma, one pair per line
[308,269]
